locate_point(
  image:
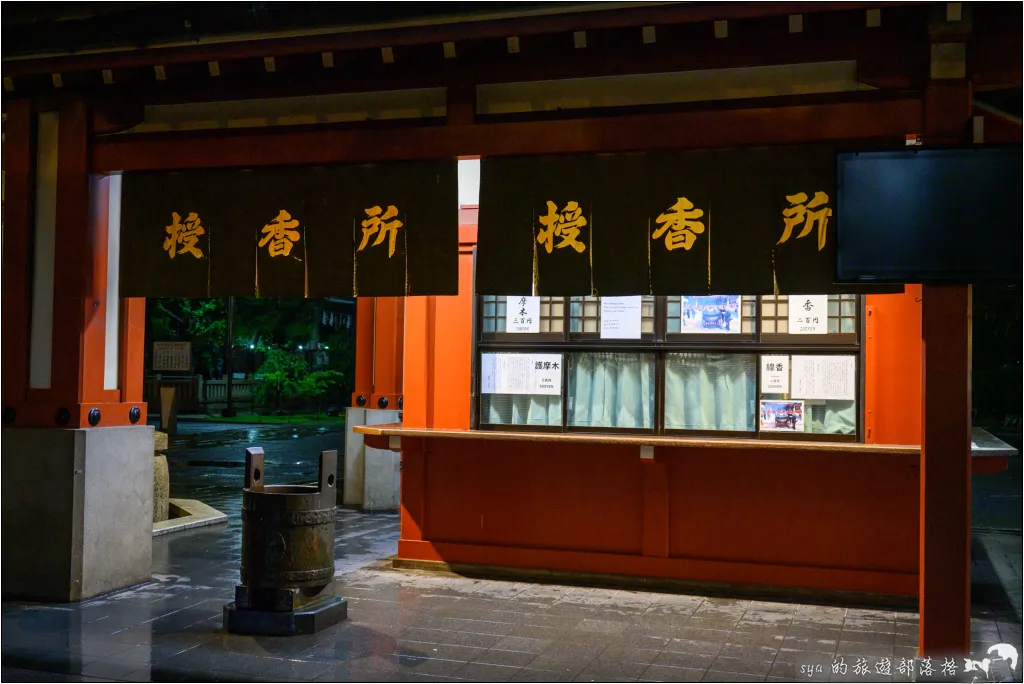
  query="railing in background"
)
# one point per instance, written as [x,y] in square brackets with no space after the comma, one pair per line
[187,391]
[215,392]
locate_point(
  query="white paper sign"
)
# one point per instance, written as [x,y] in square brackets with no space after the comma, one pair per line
[808,314]
[620,318]
[824,377]
[522,314]
[521,374]
[774,374]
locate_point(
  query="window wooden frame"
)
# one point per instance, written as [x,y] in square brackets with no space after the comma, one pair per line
[660,342]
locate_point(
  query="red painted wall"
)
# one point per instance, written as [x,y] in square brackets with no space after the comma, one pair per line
[892,368]
[791,518]
[571,497]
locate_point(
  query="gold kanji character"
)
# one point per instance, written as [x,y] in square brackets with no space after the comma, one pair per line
[281,234]
[381,226]
[799,211]
[565,225]
[681,224]
[183,237]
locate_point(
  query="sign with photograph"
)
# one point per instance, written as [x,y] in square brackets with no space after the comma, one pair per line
[709,314]
[620,318]
[782,416]
[808,314]
[521,374]
[824,377]
[522,314]
[775,375]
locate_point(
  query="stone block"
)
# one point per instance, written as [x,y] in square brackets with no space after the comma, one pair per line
[380,486]
[352,492]
[159,442]
[355,454]
[77,511]
[161,488]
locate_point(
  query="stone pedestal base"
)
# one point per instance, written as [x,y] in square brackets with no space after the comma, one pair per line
[77,511]
[371,475]
[309,620]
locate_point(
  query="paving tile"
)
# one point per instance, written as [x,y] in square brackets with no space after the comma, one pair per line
[763,639]
[748,651]
[530,674]
[431,666]
[611,670]
[299,669]
[690,661]
[709,635]
[525,644]
[695,646]
[741,665]
[716,676]
[642,640]
[484,672]
[567,665]
[506,658]
[664,673]
[718,623]
[863,648]
[628,654]
[344,673]
[472,639]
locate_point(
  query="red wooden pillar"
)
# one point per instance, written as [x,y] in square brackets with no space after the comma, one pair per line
[77,384]
[945,571]
[364,352]
[945,531]
[17,232]
[389,331]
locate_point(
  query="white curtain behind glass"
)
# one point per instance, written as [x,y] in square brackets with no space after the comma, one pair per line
[836,417]
[612,390]
[710,391]
[521,409]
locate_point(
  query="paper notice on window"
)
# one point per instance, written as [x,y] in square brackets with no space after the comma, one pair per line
[774,374]
[522,314]
[824,377]
[620,318]
[521,374]
[808,314]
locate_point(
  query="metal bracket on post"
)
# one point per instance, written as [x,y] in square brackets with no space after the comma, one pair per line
[254,468]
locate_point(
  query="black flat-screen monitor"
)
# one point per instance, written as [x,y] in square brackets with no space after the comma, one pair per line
[929,216]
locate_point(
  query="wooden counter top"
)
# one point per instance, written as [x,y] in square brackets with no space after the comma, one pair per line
[396,430]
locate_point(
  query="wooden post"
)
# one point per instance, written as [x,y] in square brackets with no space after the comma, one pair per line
[389,332]
[17,236]
[363,387]
[945,572]
[945,531]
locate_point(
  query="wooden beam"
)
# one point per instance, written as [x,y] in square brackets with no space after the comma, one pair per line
[354,38]
[857,120]
[887,56]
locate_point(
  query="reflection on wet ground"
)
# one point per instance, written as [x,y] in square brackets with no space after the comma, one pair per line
[208,464]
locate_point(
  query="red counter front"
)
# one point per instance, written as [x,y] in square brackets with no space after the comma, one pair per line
[821,516]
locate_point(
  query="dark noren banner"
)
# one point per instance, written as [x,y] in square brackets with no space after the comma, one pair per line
[382,230]
[753,221]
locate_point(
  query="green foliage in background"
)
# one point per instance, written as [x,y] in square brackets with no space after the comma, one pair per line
[203,322]
[286,379]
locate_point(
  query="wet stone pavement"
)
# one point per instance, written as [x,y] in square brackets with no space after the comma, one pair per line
[417,626]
